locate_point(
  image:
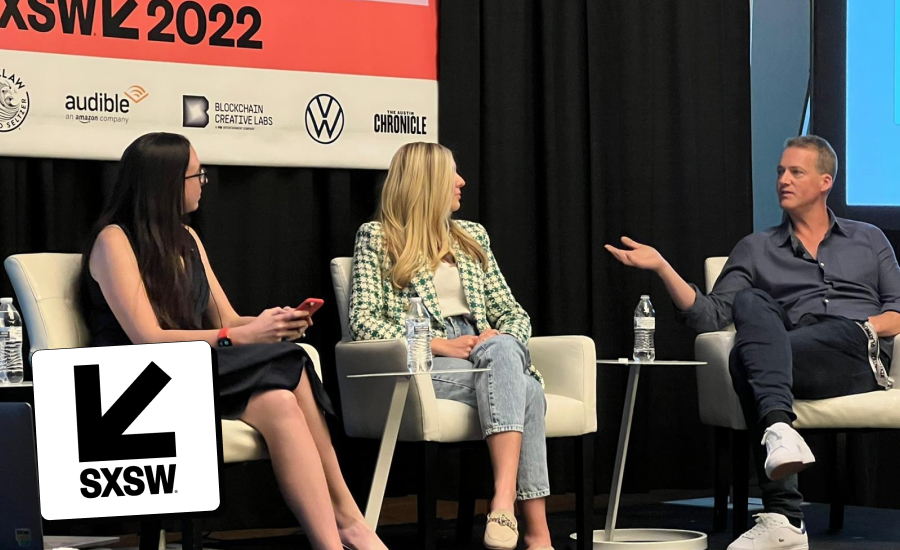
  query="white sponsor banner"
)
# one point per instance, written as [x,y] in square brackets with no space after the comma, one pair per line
[232,115]
[337,83]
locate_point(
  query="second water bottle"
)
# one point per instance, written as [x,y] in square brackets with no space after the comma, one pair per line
[644,327]
[418,337]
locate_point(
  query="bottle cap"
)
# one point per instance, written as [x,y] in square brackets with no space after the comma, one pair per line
[645,296]
[415,299]
[5,300]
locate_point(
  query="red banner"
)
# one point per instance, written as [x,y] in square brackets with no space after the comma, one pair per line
[356,37]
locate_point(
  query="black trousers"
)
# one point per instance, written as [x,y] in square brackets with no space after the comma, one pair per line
[773,361]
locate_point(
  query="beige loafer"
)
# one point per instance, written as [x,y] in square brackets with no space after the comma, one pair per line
[501,531]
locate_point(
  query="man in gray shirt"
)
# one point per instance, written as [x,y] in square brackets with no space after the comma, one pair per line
[816,304]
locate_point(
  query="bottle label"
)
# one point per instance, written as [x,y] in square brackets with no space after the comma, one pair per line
[646,323]
[15,333]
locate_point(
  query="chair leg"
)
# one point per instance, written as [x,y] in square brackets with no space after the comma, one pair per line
[740,460]
[427,498]
[465,516]
[722,481]
[584,491]
[191,537]
[151,531]
[838,483]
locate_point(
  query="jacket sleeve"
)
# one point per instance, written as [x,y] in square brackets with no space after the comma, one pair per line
[503,311]
[367,301]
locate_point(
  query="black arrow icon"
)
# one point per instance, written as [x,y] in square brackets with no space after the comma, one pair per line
[100,436]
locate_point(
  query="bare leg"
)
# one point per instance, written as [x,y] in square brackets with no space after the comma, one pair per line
[350,521]
[297,465]
[537,532]
[504,450]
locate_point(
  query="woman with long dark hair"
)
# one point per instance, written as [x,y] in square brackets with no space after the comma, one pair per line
[146,279]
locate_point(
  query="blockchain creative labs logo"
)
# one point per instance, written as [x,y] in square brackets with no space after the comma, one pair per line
[104,107]
[195,111]
[324,119]
[400,122]
[127,431]
[227,115]
[14,101]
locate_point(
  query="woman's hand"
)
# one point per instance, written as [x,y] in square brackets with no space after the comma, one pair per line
[458,347]
[272,325]
[487,335]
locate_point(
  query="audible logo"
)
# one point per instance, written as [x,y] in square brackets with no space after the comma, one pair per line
[114,426]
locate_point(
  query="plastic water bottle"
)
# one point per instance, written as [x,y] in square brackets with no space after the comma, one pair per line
[11,365]
[418,337]
[644,327]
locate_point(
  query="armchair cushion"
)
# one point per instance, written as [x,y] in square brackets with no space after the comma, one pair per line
[568,364]
[571,403]
[719,404]
[46,287]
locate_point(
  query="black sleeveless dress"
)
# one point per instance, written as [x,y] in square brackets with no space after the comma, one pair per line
[243,370]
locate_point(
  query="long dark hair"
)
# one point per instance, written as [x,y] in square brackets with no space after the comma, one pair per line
[148,204]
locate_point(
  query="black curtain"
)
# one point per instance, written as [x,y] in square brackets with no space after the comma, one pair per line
[573,122]
[576,122]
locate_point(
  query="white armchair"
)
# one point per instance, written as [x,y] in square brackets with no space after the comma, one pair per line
[719,407]
[46,285]
[568,364]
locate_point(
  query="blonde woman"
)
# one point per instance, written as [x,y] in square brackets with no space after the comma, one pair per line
[415,248]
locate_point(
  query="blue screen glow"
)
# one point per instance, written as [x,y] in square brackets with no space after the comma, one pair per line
[872,163]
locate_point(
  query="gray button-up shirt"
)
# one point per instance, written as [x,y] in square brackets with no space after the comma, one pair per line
[855,275]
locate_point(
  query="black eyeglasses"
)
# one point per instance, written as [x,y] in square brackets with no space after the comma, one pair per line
[201,174]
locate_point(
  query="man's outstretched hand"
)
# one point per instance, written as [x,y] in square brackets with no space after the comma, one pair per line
[638,255]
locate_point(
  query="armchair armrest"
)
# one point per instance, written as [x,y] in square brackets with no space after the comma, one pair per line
[719,404]
[365,401]
[314,356]
[569,367]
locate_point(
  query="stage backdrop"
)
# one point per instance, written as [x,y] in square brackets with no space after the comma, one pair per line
[341,83]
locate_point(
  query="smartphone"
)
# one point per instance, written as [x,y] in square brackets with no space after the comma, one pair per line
[311,305]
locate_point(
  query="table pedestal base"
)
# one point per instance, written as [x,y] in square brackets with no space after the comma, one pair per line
[649,539]
[637,539]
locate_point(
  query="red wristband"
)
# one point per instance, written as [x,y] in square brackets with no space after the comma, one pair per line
[223,340]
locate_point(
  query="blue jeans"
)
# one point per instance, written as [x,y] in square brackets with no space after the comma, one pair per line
[507,398]
[773,361]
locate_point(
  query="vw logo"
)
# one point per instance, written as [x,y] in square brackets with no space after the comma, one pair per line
[324,119]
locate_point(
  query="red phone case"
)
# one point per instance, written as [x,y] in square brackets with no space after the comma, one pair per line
[311,305]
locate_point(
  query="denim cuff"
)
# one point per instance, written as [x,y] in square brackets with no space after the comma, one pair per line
[500,428]
[532,494]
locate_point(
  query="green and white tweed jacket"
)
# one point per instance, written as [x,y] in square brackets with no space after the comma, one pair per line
[378,310]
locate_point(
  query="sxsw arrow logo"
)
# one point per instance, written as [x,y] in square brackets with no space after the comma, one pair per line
[101,436]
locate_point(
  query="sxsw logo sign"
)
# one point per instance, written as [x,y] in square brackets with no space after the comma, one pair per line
[127,430]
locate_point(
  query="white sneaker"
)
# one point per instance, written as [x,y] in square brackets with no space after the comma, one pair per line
[772,532]
[787,454]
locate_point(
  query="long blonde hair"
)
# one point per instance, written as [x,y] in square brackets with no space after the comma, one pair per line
[415,212]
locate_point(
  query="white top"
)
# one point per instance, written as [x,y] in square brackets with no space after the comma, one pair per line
[451,297]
